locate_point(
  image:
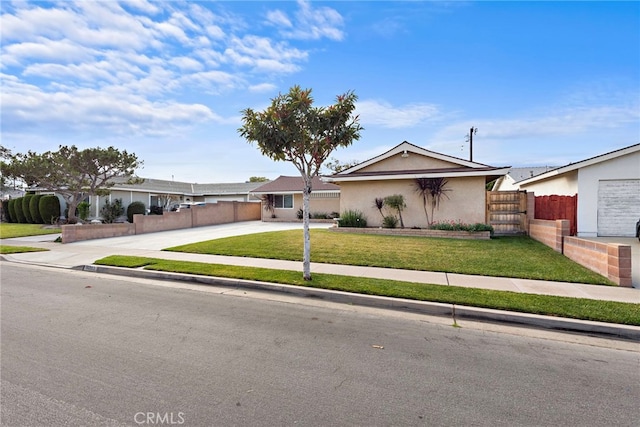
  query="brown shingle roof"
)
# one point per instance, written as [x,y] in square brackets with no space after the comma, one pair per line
[293,184]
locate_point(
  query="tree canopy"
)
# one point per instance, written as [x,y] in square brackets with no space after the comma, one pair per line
[73,173]
[292,129]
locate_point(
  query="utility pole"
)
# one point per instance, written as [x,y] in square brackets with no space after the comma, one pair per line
[472,132]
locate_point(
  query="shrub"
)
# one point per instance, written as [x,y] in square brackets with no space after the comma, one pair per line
[19,212]
[352,219]
[34,209]
[12,210]
[111,211]
[5,210]
[49,207]
[320,215]
[25,207]
[156,210]
[135,208]
[389,221]
[300,213]
[460,226]
[83,210]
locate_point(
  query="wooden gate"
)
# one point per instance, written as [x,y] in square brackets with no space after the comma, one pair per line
[507,212]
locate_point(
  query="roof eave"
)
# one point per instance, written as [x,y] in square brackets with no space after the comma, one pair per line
[470,173]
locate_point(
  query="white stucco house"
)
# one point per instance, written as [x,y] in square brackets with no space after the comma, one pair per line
[608,189]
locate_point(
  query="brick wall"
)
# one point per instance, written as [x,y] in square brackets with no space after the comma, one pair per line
[549,232]
[75,233]
[210,214]
[612,260]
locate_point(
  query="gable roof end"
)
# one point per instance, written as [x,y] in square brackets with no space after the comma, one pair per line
[411,148]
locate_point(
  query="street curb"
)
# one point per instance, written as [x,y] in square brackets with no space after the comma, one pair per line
[611,330]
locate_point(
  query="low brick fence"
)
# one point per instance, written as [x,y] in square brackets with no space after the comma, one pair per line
[549,232]
[75,233]
[198,216]
[474,235]
[612,260]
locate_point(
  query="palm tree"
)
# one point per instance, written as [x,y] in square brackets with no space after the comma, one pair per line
[379,204]
[396,202]
[432,191]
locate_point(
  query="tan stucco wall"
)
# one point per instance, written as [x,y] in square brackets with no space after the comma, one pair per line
[465,202]
[413,161]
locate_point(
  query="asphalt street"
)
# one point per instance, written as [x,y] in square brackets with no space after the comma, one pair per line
[88,349]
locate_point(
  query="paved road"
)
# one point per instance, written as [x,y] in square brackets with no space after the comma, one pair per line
[87,349]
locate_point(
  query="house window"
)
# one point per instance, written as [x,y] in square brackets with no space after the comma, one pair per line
[284,201]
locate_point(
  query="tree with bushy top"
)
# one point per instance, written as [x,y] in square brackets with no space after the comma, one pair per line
[34,209]
[49,207]
[135,208]
[396,201]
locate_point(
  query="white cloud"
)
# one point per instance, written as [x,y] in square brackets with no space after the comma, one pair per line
[186,64]
[262,87]
[279,19]
[261,53]
[309,23]
[386,115]
[89,109]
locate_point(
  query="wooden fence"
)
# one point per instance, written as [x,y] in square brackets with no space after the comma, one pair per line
[558,207]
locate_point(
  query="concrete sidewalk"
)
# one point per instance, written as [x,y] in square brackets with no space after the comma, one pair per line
[150,245]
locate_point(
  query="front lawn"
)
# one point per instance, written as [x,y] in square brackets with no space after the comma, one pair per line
[577,308]
[10,230]
[518,256]
[6,250]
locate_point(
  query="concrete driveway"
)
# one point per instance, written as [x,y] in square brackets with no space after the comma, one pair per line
[165,239]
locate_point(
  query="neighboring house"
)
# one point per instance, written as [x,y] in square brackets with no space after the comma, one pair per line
[157,192]
[282,198]
[395,172]
[508,182]
[608,189]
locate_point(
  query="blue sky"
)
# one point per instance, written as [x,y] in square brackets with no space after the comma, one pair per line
[545,83]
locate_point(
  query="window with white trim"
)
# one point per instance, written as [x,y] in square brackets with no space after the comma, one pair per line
[283,201]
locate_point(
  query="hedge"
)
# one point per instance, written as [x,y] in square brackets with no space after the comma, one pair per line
[49,207]
[19,212]
[25,207]
[34,209]
[135,208]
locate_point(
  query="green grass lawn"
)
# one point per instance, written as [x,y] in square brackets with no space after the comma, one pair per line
[10,230]
[6,250]
[518,256]
[578,308]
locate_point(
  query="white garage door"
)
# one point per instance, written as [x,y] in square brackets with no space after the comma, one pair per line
[618,207]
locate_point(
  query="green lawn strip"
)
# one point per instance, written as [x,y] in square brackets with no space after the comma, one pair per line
[10,230]
[518,256]
[6,250]
[578,308]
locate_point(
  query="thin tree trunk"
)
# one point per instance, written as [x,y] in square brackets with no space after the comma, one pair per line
[306,261]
